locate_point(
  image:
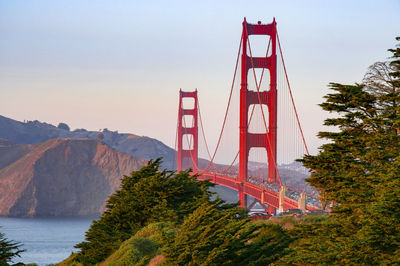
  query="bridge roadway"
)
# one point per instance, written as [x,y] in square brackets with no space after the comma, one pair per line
[262,194]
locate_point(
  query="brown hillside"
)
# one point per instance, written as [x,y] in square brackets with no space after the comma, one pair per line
[10,152]
[63,177]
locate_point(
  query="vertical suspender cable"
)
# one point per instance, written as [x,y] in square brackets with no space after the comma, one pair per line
[291,96]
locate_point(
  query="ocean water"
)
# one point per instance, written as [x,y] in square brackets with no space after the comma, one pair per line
[46,240]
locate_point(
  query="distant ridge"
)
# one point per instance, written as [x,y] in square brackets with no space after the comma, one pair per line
[32,132]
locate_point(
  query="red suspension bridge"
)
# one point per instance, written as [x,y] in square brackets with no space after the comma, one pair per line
[268,126]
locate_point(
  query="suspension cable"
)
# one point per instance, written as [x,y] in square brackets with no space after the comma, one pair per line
[227,108]
[208,151]
[251,115]
[291,96]
[205,140]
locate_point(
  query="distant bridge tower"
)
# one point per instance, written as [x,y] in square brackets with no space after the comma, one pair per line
[269,98]
[184,157]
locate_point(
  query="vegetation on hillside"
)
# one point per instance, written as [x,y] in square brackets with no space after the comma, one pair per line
[215,236]
[146,196]
[158,212]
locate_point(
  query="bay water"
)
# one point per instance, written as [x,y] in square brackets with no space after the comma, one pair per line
[46,240]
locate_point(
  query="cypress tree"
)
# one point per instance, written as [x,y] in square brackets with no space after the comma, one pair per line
[358,172]
[146,196]
[216,234]
[8,250]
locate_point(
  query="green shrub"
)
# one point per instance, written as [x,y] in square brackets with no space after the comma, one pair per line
[142,247]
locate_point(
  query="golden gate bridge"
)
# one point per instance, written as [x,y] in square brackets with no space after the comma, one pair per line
[268,122]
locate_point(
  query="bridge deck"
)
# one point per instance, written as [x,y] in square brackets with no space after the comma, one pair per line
[263,194]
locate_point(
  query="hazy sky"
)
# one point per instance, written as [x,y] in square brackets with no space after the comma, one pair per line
[120,64]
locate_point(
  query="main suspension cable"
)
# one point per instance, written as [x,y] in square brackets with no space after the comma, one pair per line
[227,108]
[291,96]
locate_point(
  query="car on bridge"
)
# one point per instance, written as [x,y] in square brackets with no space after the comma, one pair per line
[291,212]
[255,216]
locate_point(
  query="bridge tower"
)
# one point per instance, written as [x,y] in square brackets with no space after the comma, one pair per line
[247,97]
[190,154]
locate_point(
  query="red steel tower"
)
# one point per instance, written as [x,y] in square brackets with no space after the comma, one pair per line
[269,98]
[191,154]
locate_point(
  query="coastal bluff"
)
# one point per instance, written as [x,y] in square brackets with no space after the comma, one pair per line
[60,177]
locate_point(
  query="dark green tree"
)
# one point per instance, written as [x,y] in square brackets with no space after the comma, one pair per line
[8,250]
[63,126]
[224,235]
[358,171]
[146,196]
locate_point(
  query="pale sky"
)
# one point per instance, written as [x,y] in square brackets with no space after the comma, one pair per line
[120,64]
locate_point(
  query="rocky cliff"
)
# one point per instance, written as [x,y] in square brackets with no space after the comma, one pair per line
[60,177]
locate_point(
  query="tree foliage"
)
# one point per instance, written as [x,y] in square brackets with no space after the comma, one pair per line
[212,235]
[8,250]
[358,171]
[63,126]
[146,196]
[174,214]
